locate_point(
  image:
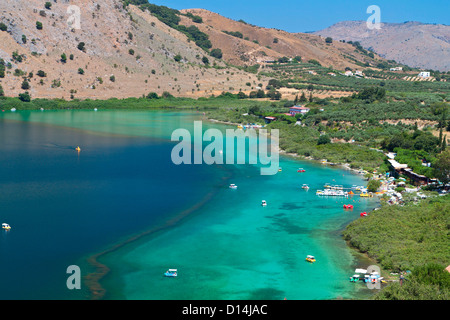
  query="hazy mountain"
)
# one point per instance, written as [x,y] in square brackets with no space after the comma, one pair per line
[415,44]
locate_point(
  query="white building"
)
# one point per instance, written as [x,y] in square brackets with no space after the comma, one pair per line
[424,74]
[397,69]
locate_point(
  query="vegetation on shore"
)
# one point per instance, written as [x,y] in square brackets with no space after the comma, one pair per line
[410,237]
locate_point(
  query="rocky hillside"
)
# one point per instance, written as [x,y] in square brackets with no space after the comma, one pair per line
[415,44]
[245,44]
[118,52]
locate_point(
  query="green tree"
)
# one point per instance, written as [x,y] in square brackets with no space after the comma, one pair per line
[3,27]
[442,167]
[81,46]
[25,97]
[303,98]
[63,58]
[48,5]
[205,60]
[39,25]
[80,71]
[329,40]
[178,58]
[373,185]
[242,95]
[2,93]
[216,53]
[25,85]
[152,95]
[324,139]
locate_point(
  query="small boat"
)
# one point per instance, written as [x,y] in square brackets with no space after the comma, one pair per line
[264,203]
[279,170]
[348,206]
[233,186]
[301,170]
[305,186]
[78,149]
[6,226]
[310,258]
[366,195]
[171,273]
[363,214]
[355,278]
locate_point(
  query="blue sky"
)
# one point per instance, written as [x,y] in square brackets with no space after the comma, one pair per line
[303,16]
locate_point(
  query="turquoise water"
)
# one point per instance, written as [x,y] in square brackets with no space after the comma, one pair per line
[66,207]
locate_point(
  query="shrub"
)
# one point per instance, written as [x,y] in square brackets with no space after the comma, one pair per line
[131,51]
[152,95]
[39,25]
[41,74]
[112,78]
[63,58]
[3,27]
[197,19]
[25,97]
[216,53]
[81,46]
[25,85]
[80,71]
[48,5]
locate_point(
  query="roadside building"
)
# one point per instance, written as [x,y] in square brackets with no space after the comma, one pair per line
[298,109]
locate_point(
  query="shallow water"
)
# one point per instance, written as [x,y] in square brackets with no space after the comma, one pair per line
[64,207]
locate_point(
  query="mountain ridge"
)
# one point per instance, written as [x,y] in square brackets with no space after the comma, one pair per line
[414,43]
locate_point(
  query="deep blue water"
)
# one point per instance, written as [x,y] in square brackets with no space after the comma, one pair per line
[62,205]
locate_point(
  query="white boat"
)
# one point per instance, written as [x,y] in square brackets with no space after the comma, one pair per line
[6,226]
[171,273]
[233,186]
[13,109]
[332,192]
[305,186]
[264,203]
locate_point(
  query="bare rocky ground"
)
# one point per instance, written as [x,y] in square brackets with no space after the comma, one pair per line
[109,33]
